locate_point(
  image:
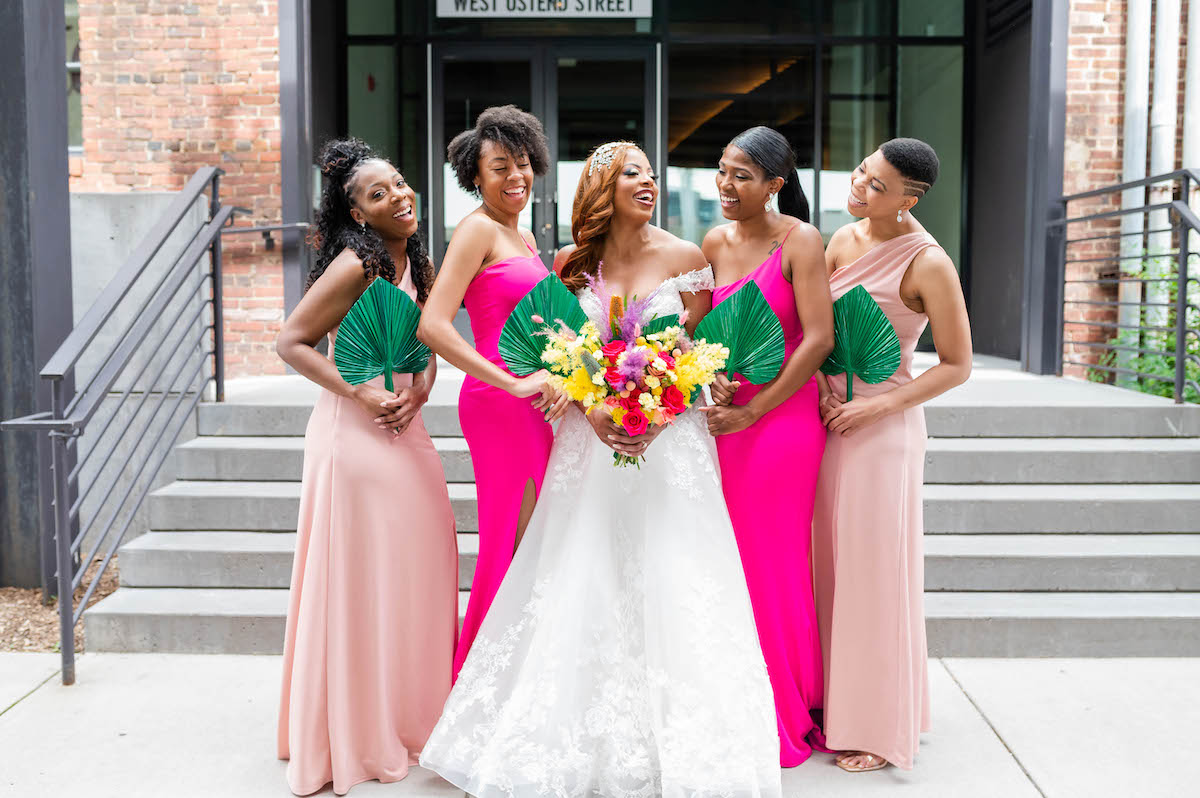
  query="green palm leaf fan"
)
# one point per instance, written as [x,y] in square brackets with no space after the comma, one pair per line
[746,324]
[864,342]
[379,336]
[660,323]
[520,343]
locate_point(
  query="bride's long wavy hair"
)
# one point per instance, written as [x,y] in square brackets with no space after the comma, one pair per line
[591,215]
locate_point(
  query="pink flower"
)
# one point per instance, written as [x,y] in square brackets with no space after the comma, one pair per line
[673,400]
[670,361]
[635,422]
[613,349]
[631,402]
[614,378]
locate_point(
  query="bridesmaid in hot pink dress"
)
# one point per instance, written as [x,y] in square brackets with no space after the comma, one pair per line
[490,265]
[867,527]
[373,610]
[771,439]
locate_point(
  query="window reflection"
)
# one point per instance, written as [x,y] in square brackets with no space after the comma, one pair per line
[755,85]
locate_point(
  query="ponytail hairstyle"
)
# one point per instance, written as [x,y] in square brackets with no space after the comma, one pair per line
[591,215]
[769,149]
[916,162]
[336,229]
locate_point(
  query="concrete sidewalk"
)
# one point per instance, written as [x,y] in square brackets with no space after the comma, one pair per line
[176,726]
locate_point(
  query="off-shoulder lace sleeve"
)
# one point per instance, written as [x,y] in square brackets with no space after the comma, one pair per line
[697,280]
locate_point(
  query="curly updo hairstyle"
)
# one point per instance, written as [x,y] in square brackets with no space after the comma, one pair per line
[916,162]
[336,229]
[770,151]
[591,215]
[517,132]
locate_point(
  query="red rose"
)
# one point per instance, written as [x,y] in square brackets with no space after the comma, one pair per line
[614,379]
[631,402]
[613,349]
[635,422]
[673,399]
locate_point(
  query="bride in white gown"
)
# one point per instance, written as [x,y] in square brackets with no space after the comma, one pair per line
[619,657]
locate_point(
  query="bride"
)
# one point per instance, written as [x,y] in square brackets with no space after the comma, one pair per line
[619,657]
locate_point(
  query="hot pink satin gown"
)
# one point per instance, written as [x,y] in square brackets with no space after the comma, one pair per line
[373,611]
[509,440]
[769,473]
[869,566]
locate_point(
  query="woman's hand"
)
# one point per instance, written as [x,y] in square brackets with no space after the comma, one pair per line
[546,398]
[374,402]
[725,420]
[828,403]
[849,417]
[616,438]
[723,389]
[403,408]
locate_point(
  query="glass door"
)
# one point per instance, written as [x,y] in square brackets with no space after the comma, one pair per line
[584,95]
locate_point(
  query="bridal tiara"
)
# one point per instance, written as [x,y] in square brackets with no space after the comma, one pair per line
[605,153]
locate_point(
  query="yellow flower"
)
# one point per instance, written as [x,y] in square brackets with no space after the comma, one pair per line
[618,413]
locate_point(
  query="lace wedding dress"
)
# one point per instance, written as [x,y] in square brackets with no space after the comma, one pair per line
[619,657]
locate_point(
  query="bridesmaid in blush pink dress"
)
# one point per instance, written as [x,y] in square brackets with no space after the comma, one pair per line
[867,527]
[373,610]
[490,265]
[770,439]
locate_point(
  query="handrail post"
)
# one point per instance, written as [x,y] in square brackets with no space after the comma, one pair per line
[218,313]
[62,537]
[1181,300]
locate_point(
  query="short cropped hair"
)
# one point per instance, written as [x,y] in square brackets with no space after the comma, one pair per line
[517,131]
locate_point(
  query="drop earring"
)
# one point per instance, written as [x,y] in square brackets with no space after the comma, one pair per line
[768,203]
[900,216]
[362,226]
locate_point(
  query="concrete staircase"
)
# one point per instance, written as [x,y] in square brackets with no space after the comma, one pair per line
[1062,519]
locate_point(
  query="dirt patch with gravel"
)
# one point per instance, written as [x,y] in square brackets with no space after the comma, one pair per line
[26,624]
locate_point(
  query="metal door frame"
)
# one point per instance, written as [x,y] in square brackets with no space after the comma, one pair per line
[542,57]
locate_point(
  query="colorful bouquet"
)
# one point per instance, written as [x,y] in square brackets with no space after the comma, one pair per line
[640,370]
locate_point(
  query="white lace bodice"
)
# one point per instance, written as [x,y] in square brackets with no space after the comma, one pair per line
[666,300]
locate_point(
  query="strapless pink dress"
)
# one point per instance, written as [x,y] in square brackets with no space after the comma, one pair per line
[769,474]
[509,440]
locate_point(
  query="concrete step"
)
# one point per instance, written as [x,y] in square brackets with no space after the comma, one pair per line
[948,461]
[1066,508]
[1063,624]
[232,621]
[949,509]
[943,420]
[258,506]
[193,621]
[213,559]
[1047,563]
[209,559]
[269,459]
[1062,460]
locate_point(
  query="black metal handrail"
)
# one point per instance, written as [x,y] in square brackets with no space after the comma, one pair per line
[179,299]
[1144,281]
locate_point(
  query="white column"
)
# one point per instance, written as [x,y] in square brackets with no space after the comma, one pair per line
[1133,162]
[1163,109]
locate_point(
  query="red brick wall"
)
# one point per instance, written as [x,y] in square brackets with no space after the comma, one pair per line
[1092,159]
[170,86]
[1094,127]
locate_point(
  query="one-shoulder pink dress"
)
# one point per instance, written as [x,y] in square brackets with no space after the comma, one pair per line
[769,474]
[869,567]
[509,440]
[373,608]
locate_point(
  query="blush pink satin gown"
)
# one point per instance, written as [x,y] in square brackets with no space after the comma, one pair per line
[373,610]
[869,569]
[509,440]
[769,473]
